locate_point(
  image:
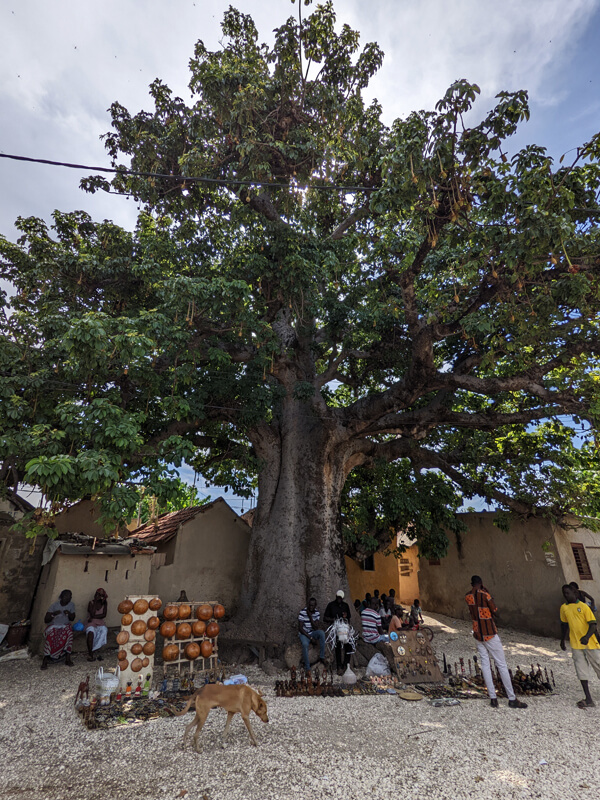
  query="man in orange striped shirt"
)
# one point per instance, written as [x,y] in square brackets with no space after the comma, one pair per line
[482,609]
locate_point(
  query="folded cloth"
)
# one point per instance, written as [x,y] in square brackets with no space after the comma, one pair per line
[99,632]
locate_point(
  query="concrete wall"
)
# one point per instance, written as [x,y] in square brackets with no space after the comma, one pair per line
[80,518]
[591,542]
[524,577]
[118,575]
[208,558]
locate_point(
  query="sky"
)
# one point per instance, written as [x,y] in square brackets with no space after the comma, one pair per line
[63,63]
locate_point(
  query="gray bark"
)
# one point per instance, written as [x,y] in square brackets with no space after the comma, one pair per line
[296,549]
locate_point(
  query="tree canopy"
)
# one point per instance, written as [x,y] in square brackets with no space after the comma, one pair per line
[313,300]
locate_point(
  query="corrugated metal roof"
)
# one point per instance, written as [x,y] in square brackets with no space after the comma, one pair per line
[70,548]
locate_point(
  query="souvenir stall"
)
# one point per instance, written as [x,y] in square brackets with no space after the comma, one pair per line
[190,658]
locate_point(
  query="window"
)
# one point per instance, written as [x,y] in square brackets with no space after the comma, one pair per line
[369,564]
[583,566]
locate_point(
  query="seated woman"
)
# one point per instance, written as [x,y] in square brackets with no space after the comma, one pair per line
[95,627]
[58,636]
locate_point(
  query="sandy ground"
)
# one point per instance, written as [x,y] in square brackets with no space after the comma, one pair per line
[345,748]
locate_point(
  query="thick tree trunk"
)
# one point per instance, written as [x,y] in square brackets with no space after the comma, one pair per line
[296,550]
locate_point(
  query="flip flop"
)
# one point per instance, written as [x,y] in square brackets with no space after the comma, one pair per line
[584,704]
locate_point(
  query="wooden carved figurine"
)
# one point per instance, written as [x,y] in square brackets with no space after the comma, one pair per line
[84,689]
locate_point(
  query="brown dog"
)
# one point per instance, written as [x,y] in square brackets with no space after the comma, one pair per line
[234,699]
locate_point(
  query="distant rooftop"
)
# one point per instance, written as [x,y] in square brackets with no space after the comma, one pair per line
[166,526]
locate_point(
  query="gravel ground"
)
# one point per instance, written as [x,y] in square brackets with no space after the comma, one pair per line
[345,748]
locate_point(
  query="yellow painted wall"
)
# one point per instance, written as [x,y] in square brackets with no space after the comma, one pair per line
[384,577]
[408,571]
[401,574]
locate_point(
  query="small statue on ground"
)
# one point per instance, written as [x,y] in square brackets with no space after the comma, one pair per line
[84,689]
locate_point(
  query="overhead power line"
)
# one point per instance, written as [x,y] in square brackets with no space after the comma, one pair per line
[186,178]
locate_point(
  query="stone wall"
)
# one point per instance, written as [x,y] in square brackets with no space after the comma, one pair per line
[20,564]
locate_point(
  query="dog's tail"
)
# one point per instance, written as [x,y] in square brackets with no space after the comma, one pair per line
[188,705]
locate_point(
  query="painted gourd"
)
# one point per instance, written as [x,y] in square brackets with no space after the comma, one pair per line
[167,629]
[155,604]
[136,665]
[171,612]
[206,648]
[136,649]
[170,652]
[123,664]
[145,662]
[122,655]
[122,637]
[153,623]
[192,650]
[184,630]
[126,620]
[212,629]
[149,648]
[150,636]
[124,606]
[140,606]
[199,627]
[218,611]
[204,611]
[139,627]
[185,611]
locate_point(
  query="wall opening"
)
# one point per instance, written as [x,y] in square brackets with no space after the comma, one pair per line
[106,576]
[126,574]
[434,562]
[583,565]
[116,564]
[86,566]
[369,564]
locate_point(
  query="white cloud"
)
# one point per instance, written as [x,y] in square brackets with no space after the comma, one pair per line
[507,45]
[64,62]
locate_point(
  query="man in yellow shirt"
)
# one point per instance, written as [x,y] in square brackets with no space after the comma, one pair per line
[577,619]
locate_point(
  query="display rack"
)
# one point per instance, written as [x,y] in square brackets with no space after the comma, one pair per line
[414,658]
[128,674]
[182,664]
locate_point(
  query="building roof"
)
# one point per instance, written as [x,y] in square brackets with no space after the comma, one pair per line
[80,544]
[248,517]
[17,502]
[166,526]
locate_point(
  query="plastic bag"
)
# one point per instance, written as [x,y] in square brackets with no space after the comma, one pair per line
[79,626]
[378,665]
[235,680]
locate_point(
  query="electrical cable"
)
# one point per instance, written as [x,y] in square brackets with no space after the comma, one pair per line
[186,178]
